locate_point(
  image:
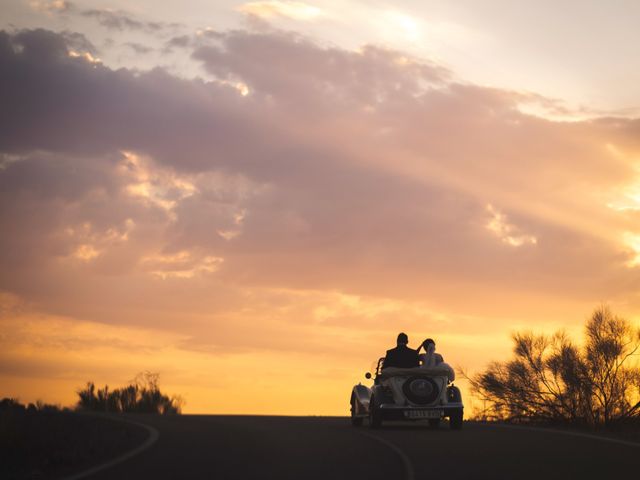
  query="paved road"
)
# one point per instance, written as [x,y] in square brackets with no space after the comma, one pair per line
[246,447]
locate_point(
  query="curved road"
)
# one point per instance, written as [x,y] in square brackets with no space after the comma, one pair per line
[248,447]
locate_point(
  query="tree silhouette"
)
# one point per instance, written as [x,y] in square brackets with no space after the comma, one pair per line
[142,395]
[611,383]
[551,379]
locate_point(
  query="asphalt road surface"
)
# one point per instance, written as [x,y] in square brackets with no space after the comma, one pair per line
[248,447]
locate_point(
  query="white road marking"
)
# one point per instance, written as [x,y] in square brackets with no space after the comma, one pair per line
[153,438]
[410,475]
[566,432]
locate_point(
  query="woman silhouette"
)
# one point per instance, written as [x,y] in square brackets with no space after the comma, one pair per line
[430,358]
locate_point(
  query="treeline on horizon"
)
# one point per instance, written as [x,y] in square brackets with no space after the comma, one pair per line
[552,380]
[141,395]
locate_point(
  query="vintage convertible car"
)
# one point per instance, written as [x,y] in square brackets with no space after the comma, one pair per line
[408,394]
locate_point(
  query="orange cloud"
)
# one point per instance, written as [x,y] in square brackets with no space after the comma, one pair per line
[178,225]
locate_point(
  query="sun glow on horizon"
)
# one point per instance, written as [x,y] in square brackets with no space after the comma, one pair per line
[284,189]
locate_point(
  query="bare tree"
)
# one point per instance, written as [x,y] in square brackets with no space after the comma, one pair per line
[551,379]
[611,342]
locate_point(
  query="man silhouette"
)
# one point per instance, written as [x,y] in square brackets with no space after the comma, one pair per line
[401,356]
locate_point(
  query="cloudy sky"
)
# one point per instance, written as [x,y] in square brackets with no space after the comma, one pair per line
[253,199]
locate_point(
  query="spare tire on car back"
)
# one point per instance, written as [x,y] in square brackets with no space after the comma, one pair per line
[421,390]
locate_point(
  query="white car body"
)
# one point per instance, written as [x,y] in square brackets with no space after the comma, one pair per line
[420,393]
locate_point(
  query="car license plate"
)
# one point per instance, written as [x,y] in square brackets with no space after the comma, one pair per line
[423,413]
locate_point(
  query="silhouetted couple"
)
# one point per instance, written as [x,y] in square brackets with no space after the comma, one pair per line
[404,357]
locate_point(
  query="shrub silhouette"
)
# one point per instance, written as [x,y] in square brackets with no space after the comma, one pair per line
[552,380]
[142,395]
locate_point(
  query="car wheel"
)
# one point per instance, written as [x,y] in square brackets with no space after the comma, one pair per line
[375,415]
[355,421]
[434,422]
[455,419]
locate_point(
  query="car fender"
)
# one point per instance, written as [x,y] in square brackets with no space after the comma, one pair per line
[454,395]
[361,394]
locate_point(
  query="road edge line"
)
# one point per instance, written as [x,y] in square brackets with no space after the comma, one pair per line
[153,438]
[566,432]
[403,456]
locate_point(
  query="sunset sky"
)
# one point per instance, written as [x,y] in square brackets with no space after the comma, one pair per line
[254,198]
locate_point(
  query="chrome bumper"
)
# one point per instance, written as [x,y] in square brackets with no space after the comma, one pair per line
[400,408]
